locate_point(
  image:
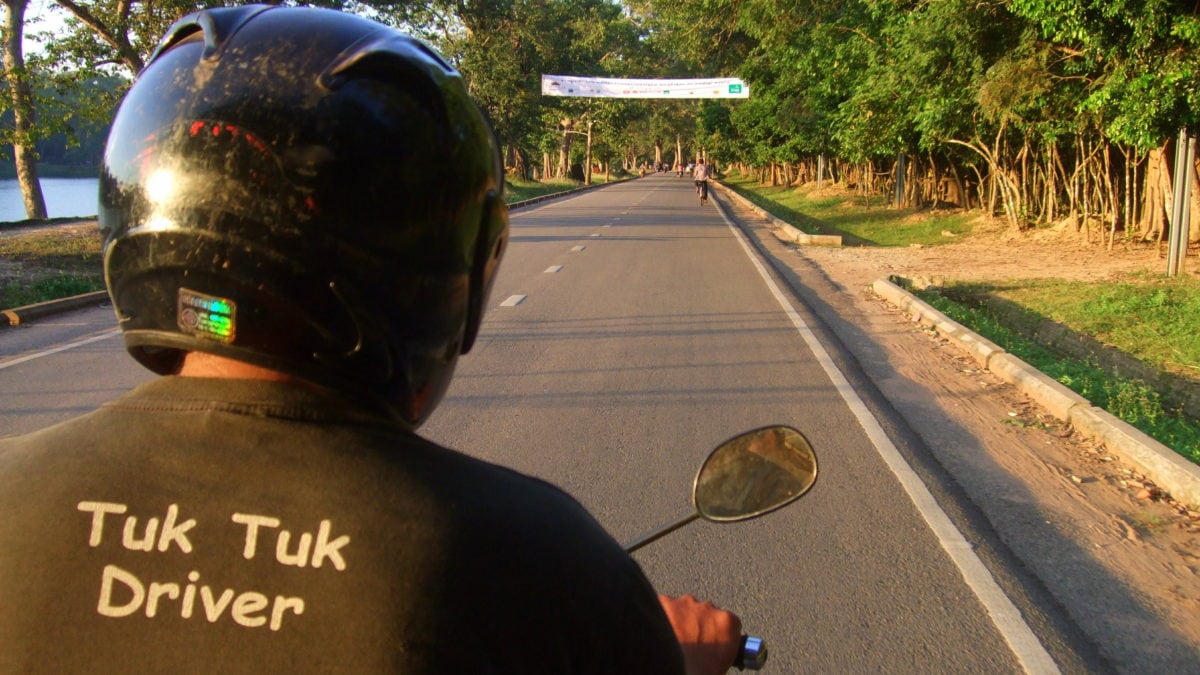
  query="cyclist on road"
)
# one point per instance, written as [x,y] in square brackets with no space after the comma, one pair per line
[302,220]
[700,176]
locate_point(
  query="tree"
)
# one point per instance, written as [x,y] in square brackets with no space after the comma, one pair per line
[503,46]
[100,35]
[1140,60]
[1037,108]
[23,134]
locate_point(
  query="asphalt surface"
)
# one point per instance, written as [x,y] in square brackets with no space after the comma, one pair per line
[630,331]
[646,336]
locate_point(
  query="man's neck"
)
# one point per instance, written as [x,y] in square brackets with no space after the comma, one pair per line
[201,364]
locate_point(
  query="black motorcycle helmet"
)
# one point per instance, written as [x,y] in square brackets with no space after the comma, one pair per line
[308,191]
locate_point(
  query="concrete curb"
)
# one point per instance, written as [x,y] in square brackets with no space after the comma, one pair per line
[17,315]
[783,230]
[1159,463]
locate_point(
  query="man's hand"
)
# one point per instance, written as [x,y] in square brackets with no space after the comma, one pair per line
[709,636]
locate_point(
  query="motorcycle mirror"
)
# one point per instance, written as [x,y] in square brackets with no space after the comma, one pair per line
[754,473]
[747,476]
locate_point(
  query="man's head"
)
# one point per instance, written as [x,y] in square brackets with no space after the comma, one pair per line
[307,191]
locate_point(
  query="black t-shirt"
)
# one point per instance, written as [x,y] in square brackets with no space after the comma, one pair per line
[225,525]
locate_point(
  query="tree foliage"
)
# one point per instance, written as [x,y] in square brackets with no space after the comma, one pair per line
[1034,109]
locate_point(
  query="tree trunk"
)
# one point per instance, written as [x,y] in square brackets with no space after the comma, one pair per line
[913,186]
[936,182]
[1194,223]
[587,161]
[1021,181]
[963,199]
[24,117]
[1055,173]
[564,148]
[1156,195]
[1131,185]
[1113,206]
[518,162]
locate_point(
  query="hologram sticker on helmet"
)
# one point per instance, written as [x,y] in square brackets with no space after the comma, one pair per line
[207,316]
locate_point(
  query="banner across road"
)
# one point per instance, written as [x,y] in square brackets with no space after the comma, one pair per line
[610,87]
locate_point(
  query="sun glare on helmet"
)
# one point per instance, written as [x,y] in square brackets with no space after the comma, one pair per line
[161,186]
[156,224]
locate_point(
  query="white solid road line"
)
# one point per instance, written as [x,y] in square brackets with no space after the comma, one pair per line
[60,348]
[1007,618]
[513,301]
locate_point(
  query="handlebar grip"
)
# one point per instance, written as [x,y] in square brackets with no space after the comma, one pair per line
[752,655]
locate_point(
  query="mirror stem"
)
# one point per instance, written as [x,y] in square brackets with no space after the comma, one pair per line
[655,535]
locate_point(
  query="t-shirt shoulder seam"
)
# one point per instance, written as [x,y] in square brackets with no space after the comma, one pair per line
[297,412]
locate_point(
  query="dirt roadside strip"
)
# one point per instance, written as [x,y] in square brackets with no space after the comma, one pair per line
[1158,462]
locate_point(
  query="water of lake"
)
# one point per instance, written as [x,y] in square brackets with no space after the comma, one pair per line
[65,198]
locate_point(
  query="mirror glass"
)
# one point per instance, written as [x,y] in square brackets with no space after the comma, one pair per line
[755,473]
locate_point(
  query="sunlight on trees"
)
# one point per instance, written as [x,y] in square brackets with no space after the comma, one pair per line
[1039,111]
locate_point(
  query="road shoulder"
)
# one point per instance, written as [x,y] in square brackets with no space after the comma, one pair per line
[1124,568]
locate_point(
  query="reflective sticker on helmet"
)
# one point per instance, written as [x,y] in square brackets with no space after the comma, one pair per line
[206,316]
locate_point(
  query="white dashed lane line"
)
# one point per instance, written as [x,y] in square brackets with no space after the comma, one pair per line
[514,300]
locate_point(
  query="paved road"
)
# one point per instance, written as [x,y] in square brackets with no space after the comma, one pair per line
[630,331]
[646,336]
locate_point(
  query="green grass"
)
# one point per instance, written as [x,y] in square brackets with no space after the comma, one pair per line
[518,190]
[82,243]
[1157,319]
[1131,400]
[49,264]
[860,220]
[1154,319]
[53,288]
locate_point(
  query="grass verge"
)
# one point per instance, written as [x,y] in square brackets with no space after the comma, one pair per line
[518,190]
[1129,399]
[860,220]
[43,265]
[1154,319]
[53,288]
